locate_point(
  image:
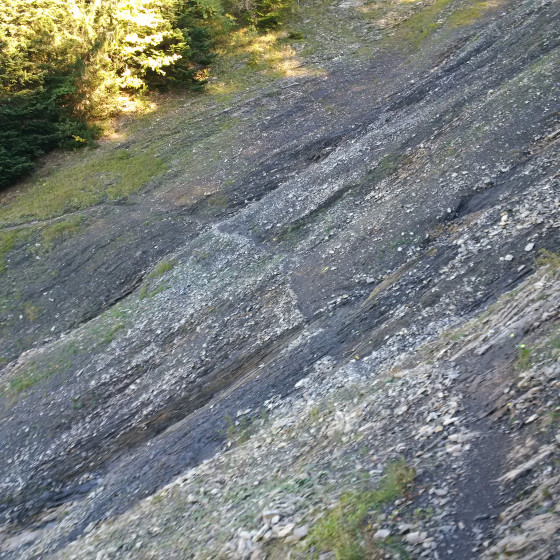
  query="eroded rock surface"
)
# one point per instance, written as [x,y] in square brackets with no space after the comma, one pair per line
[310,238]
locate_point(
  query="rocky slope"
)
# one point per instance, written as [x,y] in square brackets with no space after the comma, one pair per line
[310,269]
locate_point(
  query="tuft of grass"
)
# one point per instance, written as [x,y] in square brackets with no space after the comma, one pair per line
[237,432]
[422,24]
[467,15]
[7,242]
[343,530]
[21,383]
[548,258]
[31,311]
[161,268]
[524,358]
[109,336]
[145,293]
[240,431]
[249,58]
[31,374]
[60,231]
[429,19]
[101,177]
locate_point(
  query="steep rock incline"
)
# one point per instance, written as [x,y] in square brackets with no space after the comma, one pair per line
[472,412]
[323,220]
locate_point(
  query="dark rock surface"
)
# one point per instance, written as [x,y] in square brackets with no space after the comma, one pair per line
[426,173]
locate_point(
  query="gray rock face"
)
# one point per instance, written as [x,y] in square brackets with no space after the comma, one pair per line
[330,238]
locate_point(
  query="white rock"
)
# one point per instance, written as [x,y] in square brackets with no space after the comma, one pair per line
[283,532]
[381,534]
[508,257]
[260,533]
[416,537]
[301,532]
[529,247]
[269,514]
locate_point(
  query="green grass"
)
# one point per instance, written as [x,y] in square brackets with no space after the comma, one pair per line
[108,176]
[548,258]
[31,311]
[7,243]
[34,372]
[524,358]
[424,23]
[145,293]
[161,268]
[240,431]
[109,336]
[21,383]
[60,231]
[251,59]
[343,531]
[467,15]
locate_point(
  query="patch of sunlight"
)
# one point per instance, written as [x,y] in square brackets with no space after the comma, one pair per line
[251,58]
[137,104]
[387,15]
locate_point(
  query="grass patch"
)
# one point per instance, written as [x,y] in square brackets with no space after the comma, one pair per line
[105,177]
[60,231]
[240,431]
[34,372]
[21,383]
[428,20]
[109,336]
[145,293]
[250,58]
[31,311]
[524,358]
[343,531]
[161,268]
[468,15]
[7,243]
[237,432]
[422,24]
[548,258]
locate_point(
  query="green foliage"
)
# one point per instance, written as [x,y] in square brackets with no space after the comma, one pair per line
[34,122]
[262,14]
[343,530]
[65,64]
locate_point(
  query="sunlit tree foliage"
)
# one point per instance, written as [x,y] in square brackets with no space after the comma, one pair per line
[65,64]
